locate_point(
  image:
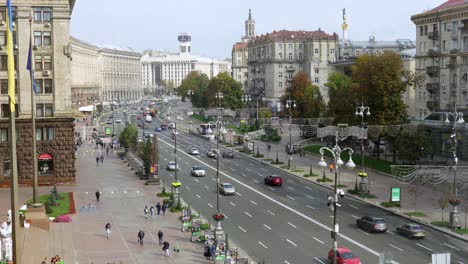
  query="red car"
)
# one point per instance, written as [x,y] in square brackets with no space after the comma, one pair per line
[274,180]
[344,256]
[139,117]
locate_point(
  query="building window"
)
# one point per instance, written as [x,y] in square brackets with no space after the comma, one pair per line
[444,45]
[290,46]
[44,86]
[45,133]
[332,51]
[4,134]
[446,28]
[38,62]
[44,110]
[280,75]
[280,66]
[6,110]
[290,56]
[300,65]
[6,168]
[425,30]
[42,14]
[421,31]
[280,46]
[316,80]
[42,38]
[280,55]
[48,86]
[45,164]
[300,56]
[280,84]
[316,51]
[47,38]
[2,38]
[316,70]
[37,38]
[300,46]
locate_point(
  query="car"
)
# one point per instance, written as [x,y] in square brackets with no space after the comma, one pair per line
[138,124]
[111,116]
[133,114]
[175,132]
[193,151]
[158,129]
[228,154]
[171,166]
[273,180]
[149,135]
[372,224]
[139,117]
[172,125]
[140,139]
[227,188]
[344,256]
[213,153]
[411,231]
[197,171]
[109,122]
[163,126]
[246,138]
[118,120]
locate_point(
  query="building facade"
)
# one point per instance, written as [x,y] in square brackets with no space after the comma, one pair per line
[240,54]
[442,57]
[104,73]
[169,69]
[55,123]
[274,58]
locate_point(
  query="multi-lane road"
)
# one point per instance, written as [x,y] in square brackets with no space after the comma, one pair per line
[290,224]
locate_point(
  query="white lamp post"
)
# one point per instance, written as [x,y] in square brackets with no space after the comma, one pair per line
[363,111]
[289,105]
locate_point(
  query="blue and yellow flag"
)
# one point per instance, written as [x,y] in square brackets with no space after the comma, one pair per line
[30,66]
[11,60]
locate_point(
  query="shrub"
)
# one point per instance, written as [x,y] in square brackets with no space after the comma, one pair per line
[390,204]
[310,175]
[48,208]
[52,200]
[324,180]
[204,226]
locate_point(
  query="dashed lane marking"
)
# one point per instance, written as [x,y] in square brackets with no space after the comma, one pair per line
[245,231]
[233,204]
[255,181]
[290,188]
[310,197]
[187,188]
[308,188]
[365,233]
[206,187]
[450,246]
[196,180]
[423,247]
[290,197]
[285,261]
[270,212]
[248,214]
[393,246]
[269,228]
[210,205]
[318,240]
[321,262]
[354,216]
[292,243]
[313,208]
[253,202]
[198,196]
[238,194]
[355,207]
[263,245]
[291,225]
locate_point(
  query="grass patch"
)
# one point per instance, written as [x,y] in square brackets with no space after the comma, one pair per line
[390,204]
[205,226]
[62,207]
[341,186]
[298,170]
[164,194]
[441,224]
[365,195]
[324,180]
[268,159]
[310,175]
[199,117]
[415,214]
[463,231]
[277,163]
[375,164]
[284,166]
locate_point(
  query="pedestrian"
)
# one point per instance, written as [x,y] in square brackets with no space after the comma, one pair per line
[98,194]
[269,147]
[332,167]
[158,208]
[102,158]
[108,230]
[141,235]
[163,208]
[97,161]
[207,252]
[152,211]
[160,236]
[165,248]
[146,211]
[107,151]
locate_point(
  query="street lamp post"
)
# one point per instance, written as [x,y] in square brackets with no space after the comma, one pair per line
[289,105]
[454,219]
[363,111]
[246,98]
[176,184]
[333,200]
[219,96]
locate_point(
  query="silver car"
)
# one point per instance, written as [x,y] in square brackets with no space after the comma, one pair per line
[193,151]
[171,166]
[227,188]
[198,171]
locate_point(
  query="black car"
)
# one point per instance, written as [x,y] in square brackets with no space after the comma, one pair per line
[372,224]
[228,154]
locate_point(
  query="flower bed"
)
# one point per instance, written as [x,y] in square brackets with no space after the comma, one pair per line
[63,219]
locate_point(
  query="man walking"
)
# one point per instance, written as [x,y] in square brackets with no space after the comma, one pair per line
[141,235]
[98,194]
[102,158]
[108,230]
[107,151]
[146,211]
[158,208]
[97,161]
[163,208]
[165,248]
[152,211]
[160,236]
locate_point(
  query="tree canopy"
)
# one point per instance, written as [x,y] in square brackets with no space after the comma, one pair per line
[340,105]
[129,137]
[231,89]
[309,101]
[198,83]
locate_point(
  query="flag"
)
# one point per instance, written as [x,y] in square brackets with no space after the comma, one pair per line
[11,60]
[29,66]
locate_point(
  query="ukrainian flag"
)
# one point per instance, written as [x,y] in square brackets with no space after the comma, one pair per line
[11,60]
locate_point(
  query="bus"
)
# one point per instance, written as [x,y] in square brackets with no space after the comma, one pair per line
[204,128]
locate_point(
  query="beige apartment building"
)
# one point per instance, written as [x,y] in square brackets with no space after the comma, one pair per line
[240,54]
[442,57]
[55,122]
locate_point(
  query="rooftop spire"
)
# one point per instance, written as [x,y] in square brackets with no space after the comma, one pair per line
[250,14]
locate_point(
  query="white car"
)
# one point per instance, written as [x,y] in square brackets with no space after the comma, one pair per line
[140,139]
[148,135]
[213,153]
[193,151]
[198,171]
[118,120]
[171,166]
[227,188]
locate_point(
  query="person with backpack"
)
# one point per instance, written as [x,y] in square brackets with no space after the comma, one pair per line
[160,237]
[165,248]
[163,208]
[141,235]
[108,230]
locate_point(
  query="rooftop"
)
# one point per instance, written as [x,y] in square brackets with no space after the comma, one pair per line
[295,35]
[240,45]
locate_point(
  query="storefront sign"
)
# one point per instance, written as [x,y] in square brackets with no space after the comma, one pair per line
[395,195]
[108,131]
[154,169]
[45,156]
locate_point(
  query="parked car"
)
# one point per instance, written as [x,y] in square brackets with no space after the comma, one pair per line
[411,231]
[193,151]
[344,256]
[171,166]
[274,180]
[109,121]
[149,134]
[111,116]
[227,188]
[158,129]
[197,171]
[213,153]
[118,120]
[228,154]
[372,224]
[163,126]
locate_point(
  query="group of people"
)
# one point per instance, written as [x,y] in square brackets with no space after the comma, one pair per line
[159,208]
[54,260]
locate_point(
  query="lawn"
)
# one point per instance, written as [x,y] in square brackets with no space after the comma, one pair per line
[416,214]
[375,164]
[200,117]
[65,204]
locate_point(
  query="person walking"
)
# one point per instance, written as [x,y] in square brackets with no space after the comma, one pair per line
[163,208]
[269,147]
[107,151]
[160,236]
[152,211]
[97,161]
[141,235]
[98,194]
[102,158]
[146,211]
[165,248]
[108,230]
[158,208]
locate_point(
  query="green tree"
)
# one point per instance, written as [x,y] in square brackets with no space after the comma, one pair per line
[129,137]
[198,83]
[264,112]
[340,105]
[145,153]
[231,89]
[309,101]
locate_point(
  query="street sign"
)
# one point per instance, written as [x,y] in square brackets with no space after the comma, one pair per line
[395,194]
[108,131]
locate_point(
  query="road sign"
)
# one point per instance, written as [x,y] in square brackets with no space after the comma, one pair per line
[395,194]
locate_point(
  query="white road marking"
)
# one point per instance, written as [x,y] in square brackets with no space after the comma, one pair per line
[285,261]
[198,196]
[187,187]
[196,180]
[396,247]
[165,159]
[424,247]
[308,196]
[244,175]
[187,163]
[263,169]
[255,181]
[308,188]
[318,240]
[450,246]
[210,205]
[253,202]
[213,179]
[357,208]
[225,216]
[313,208]
[354,216]
[247,169]
[248,214]
[290,188]
[269,228]
[310,219]
[263,245]
[321,262]
[365,233]
[292,243]
[206,187]
[270,212]
[238,194]
[233,169]
[290,197]
[232,204]
[291,225]
[245,231]
[271,188]
[171,175]
[388,231]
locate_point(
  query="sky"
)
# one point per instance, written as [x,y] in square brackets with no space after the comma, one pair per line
[215,25]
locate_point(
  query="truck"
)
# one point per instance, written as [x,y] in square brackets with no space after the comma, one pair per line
[148,119]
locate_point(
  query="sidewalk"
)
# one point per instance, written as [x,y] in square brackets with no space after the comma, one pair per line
[122,201]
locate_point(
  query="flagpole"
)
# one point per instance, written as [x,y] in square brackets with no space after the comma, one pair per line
[33,119]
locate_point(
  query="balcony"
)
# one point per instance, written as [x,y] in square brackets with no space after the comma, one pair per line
[433,35]
[433,52]
[453,51]
[290,68]
[432,70]
[432,87]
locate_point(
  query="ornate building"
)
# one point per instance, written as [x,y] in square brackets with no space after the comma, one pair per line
[54,124]
[239,54]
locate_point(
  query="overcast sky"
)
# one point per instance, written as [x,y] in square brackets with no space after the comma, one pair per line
[216,24]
